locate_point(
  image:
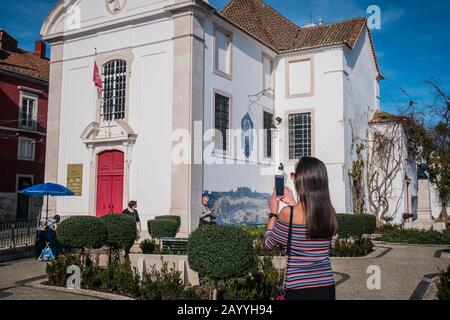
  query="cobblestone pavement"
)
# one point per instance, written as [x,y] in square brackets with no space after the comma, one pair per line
[403,269]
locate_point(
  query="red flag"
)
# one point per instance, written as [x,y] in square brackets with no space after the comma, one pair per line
[98,80]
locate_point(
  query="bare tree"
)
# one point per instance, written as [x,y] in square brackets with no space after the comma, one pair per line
[429,128]
[386,154]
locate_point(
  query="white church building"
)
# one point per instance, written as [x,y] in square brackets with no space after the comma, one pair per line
[173,69]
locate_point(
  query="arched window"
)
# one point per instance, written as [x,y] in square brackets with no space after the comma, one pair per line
[114,74]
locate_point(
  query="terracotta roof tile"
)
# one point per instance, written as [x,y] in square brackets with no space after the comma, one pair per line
[386,117]
[277,32]
[263,22]
[24,63]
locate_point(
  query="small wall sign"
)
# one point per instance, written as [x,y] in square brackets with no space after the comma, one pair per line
[75,178]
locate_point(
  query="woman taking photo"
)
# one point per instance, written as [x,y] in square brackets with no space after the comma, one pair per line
[305,229]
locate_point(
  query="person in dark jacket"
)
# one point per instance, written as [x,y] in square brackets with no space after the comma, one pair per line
[132,211]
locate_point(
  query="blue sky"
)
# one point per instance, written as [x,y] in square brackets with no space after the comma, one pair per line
[412,45]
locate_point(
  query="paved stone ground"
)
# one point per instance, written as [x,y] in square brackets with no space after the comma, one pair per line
[15,275]
[402,270]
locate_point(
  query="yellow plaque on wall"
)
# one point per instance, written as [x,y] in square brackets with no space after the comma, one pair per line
[75,178]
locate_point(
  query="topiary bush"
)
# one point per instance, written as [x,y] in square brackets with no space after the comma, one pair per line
[163,228]
[355,225]
[82,232]
[121,231]
[176,218]
[221,252]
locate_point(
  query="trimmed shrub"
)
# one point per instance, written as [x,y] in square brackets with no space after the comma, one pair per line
[417,237]
[82,232]
[355,225]
[163,228]
[121,230]
[221,252]
[176,218]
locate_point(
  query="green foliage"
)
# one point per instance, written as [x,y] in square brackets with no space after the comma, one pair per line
[91,274]
[165,284]
[220,252]
[121,278]
[429,141]
[359,248]
[176,218]
[121,231]
[255,232]
[118,277]
[82,232]
[262,251]
[388,227]
[443,285]
[57,269]
[355,225]
[163,228]
[150,246]
[261,284]
[417,237]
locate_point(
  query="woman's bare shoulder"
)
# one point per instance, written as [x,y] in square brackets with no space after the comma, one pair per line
[285,214]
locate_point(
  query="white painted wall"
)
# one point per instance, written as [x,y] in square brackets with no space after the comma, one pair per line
[344,87]
[327,107]
[360,102]
[246,80]
[150,103]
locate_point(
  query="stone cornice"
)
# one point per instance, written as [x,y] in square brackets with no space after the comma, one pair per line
[199,6]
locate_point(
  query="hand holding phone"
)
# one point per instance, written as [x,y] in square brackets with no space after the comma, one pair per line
[279,185]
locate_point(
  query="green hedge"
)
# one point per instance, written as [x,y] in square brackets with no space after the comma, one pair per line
[221,252]
[417,237]
[82,232]
[121,230]
[163,228]
[176,218]
[355,225]
[359,248]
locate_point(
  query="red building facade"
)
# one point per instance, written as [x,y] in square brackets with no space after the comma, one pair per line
[23,126]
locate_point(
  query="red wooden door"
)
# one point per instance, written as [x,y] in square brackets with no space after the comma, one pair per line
[110,182]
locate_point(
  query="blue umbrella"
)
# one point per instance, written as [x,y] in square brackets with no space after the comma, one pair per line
[47,189]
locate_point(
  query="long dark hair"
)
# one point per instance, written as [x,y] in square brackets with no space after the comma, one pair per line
[311,184]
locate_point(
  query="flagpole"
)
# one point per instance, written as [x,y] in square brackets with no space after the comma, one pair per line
[96,92]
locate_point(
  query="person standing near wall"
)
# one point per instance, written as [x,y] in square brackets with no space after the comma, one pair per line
[305,228]
[132,211]
[206,218]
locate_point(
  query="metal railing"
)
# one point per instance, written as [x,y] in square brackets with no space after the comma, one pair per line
[18,233]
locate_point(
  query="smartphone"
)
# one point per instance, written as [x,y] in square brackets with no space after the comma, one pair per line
[279,185]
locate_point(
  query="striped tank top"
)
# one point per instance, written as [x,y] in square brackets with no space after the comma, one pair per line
[309,264]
